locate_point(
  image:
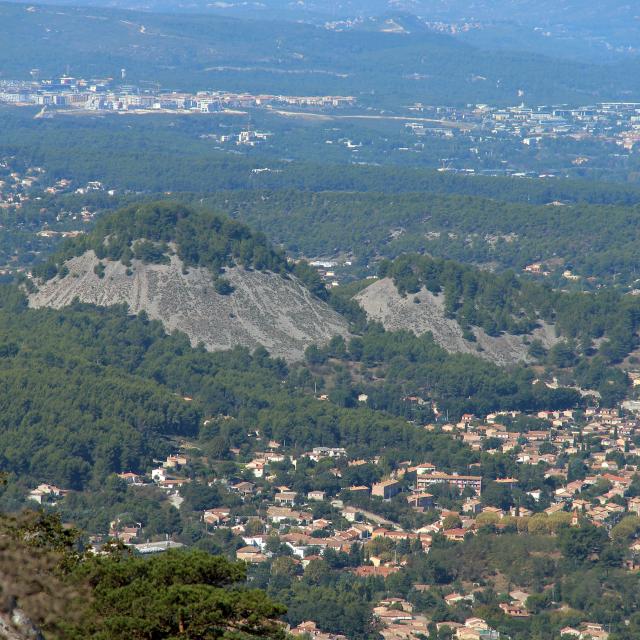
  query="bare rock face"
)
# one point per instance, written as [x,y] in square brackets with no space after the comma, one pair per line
[15,625]
[264,308]
[424,311]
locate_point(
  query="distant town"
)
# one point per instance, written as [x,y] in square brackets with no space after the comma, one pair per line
[544,141]
[303,527]
[81,94]
[617,122]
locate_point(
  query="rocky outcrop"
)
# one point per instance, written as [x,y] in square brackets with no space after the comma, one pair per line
[264,309]
[15,625]
[424,311]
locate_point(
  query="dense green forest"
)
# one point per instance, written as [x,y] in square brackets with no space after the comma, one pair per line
[116,150]
[90,391]
[594,240]
[144,232]
[416,367]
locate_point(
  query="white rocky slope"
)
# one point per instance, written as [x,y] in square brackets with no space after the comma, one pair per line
[383,303]
[264,309]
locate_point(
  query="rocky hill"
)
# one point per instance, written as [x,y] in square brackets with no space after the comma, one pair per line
[424,311]
[197,272]
[264,308]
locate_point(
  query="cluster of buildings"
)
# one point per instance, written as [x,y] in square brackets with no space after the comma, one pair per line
[331,271]
[245,138]
[309,630]
[16,183]
[106,95]
[601,437]
[616,122]
[400,622]
[21,185]
[46,494]
[486,131]
[26,188]
[600,494]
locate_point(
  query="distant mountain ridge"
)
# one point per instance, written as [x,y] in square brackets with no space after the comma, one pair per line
[564,28]
[530,11]
[391,65]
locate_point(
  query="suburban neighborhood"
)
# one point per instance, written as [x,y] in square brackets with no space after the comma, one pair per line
[267,520]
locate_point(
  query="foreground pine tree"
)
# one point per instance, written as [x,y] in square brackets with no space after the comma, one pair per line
[51,589]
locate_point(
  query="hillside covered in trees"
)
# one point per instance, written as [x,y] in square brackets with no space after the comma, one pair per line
[89,391]
[595,240]
[504,302]
[111,387]
[143,232]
